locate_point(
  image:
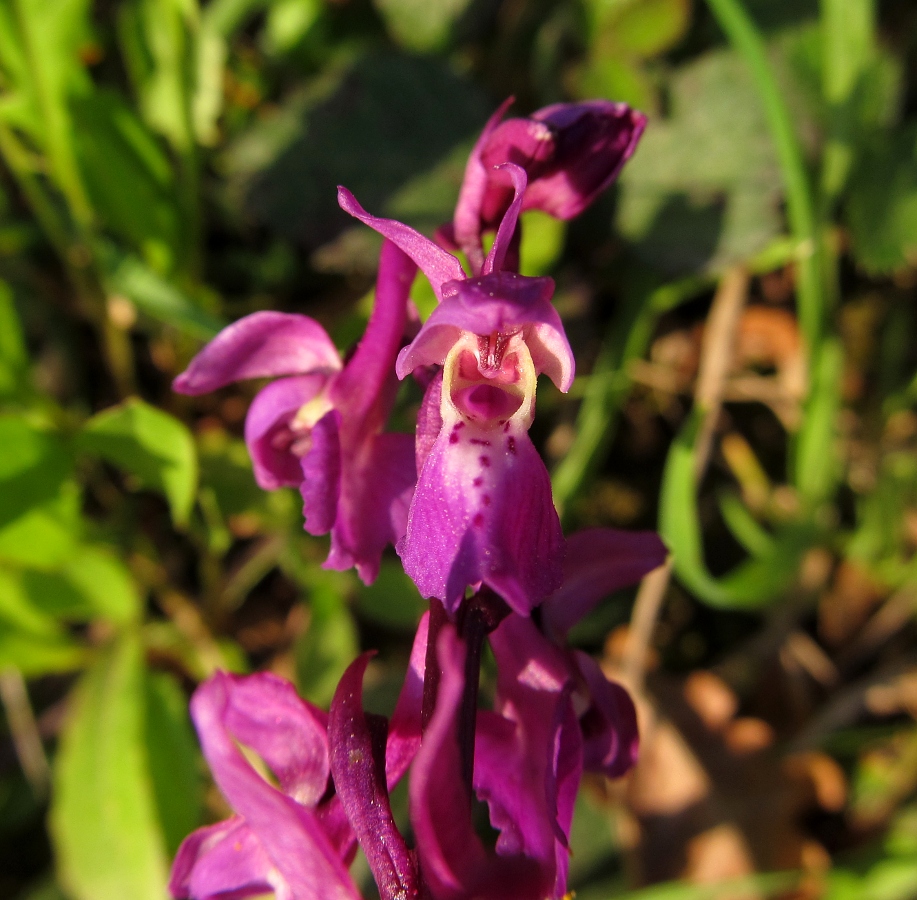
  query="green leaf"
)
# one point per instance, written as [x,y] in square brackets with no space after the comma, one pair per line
[40,515]
[174,759]
[128,177]
[150,444]
[31,640]
[816,463]
[703,189]
[93,584]
[13,356]
[756,582]
[155,296]
[108,842]
[420,25]
[881,207]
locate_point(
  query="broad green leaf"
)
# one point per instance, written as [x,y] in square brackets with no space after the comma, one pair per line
[288,22]
[174,759]
[31,640]
[882,203]
[703,188]
[128,177]
[149,444]
[108,842]
[159,48]
[93,584]
[155,296]
[40,515]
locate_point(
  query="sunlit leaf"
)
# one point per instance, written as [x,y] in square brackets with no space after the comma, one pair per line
[149,444]
[103,817]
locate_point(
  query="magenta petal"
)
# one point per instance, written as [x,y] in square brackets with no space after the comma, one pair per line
[258,346]
[438,265]
[467,224]
[506,231]
[366,387]
[429,420]
[529,773]
[405,727]
[268,429]
[453,861]
[483,512]
[222,860]
[372,511]
[358,765]
[502,302]
[611,741]
[321,470]
[593,141]
[599,561]
[304,862]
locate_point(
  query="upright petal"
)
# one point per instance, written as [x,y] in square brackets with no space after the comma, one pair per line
[405,727]
[358,765]
[598,562]
[305,864]
[438,265]
[454,864]
[366,387]
[507,229]
[261,345]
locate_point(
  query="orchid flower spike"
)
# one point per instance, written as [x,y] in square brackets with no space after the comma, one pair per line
[482,510]
[320,428]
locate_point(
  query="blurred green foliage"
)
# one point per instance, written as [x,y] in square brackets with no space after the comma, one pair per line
[167,166]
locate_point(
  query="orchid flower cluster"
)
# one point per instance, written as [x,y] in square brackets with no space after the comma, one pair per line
[466,501]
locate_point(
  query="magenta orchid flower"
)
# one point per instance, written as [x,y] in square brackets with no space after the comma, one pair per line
[570,152]
[293,839]
[320,428]
[482,510]
[288,839]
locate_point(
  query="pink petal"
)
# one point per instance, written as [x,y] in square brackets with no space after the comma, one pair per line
[289,833]
[453,861]
[321,475]
[372,512]
[268,433]
[358,764]
[611,739]
[405,726]
[483,512]
[438,265]
[599,562]
[261,345]
[497,256]
[365,390]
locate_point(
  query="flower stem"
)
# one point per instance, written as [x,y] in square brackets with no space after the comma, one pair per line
[431,670]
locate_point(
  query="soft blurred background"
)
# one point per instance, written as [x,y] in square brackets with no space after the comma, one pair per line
[742,307]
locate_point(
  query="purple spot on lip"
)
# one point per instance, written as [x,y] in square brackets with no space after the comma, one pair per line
[486,499]
[506,428]
[478,520]
[480,441]
[511,444]
[478,481]
[484,461]
[453,438]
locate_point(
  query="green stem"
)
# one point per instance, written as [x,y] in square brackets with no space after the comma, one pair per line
[747,41]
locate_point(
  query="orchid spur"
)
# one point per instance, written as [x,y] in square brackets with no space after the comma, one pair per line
[482,511]
[320,428]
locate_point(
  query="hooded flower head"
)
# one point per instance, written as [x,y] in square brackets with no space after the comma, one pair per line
[482,511]
[570,152]
[320,428]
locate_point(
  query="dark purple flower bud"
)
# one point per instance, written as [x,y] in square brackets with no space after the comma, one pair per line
[570,152]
